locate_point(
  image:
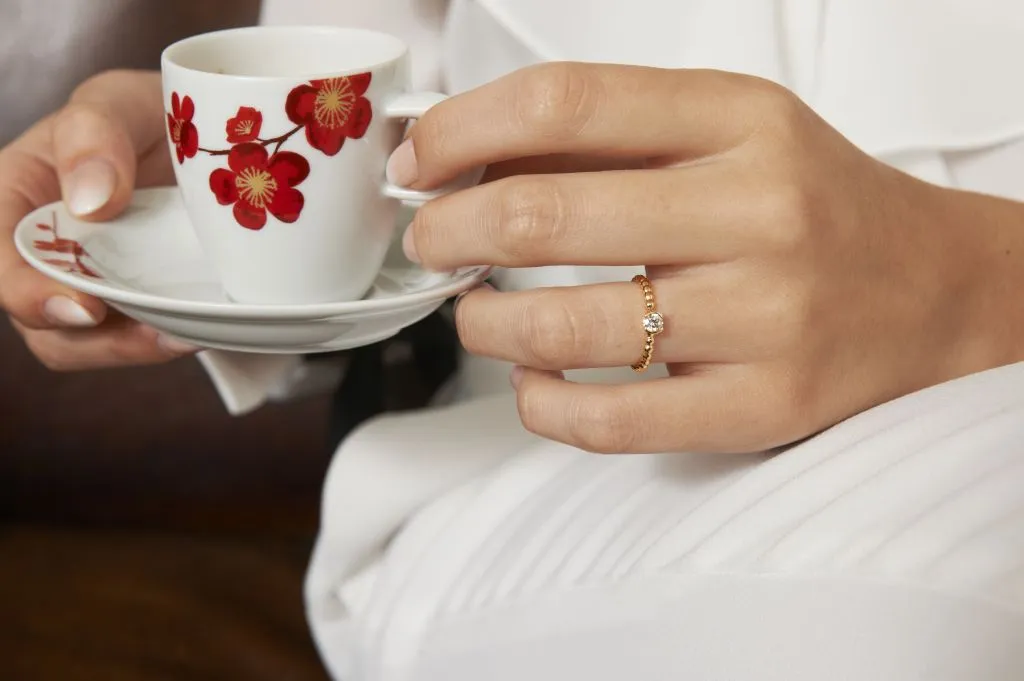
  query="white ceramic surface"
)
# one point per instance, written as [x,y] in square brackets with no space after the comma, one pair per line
[149,265]
[279,138]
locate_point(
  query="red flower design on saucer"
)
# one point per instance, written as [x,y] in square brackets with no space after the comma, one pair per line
[331,110]
[69,253]
[258,183]
[245,126]
[183,131]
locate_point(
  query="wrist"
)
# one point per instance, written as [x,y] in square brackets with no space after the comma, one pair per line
[984,247]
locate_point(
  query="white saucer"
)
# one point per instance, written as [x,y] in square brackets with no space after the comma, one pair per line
[148,264]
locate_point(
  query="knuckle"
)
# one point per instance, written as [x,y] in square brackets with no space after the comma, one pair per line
[556,99]
[782,125]
[101,81]
[434,133]
[555,335]
[96,92]
[777,106]
[78,118]
[788,206]
[602,426]
[79,109]
[788,211]
[427,226]
[531,211]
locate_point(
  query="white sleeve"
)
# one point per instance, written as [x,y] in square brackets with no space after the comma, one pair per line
[418,22]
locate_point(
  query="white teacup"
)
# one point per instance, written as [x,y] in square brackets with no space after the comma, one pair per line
[279,138]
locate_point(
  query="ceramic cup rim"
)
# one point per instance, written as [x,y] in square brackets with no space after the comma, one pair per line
[172,54]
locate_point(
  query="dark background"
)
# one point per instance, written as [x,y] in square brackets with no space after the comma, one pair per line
[152,447]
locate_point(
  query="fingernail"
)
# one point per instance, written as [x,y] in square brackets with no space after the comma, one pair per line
[89,186]
[402,169]
[175,346]
[516,377]
[64,311]
[409,246]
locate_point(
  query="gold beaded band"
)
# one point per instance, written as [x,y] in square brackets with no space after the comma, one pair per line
[652,321]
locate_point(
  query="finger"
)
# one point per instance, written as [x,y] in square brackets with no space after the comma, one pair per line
[697,412]
[623,217]
[119,342]
[571,327]
[38,302]
[111,122]
[88,148]
[710,316]
[26,181]
[614,110]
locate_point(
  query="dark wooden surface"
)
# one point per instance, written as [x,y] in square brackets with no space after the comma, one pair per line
[129,606]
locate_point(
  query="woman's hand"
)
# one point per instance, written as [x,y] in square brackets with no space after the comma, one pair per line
[801,280]
[93,152]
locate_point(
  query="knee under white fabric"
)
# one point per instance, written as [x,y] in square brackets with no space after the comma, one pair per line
[889,547]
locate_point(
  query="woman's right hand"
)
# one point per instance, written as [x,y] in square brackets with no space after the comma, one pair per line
[108,139]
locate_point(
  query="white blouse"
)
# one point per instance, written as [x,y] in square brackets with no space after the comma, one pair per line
[456,546]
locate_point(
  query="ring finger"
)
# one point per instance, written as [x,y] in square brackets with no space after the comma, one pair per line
[599,325]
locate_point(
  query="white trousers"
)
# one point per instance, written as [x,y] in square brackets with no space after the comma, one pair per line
[891,547]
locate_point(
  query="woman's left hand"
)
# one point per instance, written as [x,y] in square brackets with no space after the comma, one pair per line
[801,280]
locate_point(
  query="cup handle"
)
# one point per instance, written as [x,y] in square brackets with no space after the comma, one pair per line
[411,106]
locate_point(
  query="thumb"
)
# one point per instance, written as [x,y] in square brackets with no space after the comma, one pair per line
[110,121]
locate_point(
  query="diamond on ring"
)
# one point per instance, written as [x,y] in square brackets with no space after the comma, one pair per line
[654,323]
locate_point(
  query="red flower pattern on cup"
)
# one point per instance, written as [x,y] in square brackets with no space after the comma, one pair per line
[258,183]
[331,110]
[65,247]
[245,126]
[183,131]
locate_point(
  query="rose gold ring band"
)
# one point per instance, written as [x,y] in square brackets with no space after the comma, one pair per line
[652,322]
